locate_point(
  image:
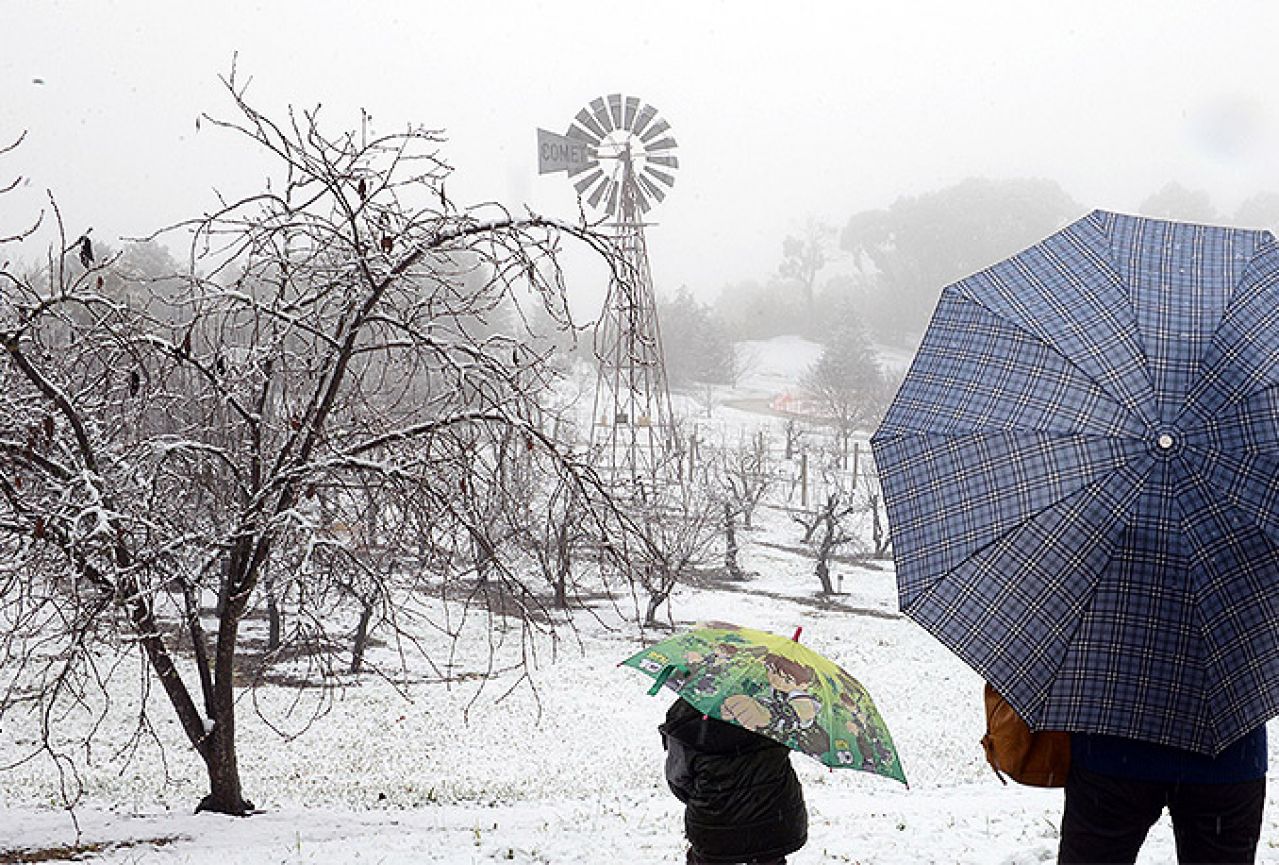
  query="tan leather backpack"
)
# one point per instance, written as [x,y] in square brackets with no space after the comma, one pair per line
[1037,759]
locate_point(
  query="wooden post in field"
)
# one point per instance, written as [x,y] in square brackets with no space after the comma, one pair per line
[803,480]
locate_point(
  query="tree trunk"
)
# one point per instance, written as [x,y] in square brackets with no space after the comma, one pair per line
[877,529]
[563,565]
[218,744]
[224,590]
[730,544]
[199,645]
[225,794]
[655,601]
[275,620]
[561,590]
[484,556]
[659,590]
[823,557]
[361,641]
[823,574]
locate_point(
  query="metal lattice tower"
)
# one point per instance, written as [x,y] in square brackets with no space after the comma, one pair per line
[623,156]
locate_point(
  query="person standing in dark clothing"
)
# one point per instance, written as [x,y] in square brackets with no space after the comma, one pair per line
[742,800]
[1118,788]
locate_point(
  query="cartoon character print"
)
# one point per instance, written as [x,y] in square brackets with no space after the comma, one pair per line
[869,746]
[696,670]
[787,711]
[708,668]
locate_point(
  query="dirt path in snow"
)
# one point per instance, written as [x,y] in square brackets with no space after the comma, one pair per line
[755,405]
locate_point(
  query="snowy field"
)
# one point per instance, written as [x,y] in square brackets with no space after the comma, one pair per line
[567,768]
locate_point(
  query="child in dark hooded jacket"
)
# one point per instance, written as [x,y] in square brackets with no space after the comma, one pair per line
[743,801]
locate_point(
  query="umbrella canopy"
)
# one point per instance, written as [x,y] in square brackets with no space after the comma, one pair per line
[776,687]
[1081,473]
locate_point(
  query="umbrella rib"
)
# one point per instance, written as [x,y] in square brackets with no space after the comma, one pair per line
[1242,505]
[1129,405]
[1201,623]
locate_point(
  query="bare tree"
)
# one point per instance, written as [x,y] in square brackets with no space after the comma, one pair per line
[873,493]
[731,550]
[676,527]
[331,348]
[746,360]
[826,526]
[746,474]
[825,531]
[794,433]
[548,520]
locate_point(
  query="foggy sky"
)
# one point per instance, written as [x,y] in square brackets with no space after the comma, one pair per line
[782,111]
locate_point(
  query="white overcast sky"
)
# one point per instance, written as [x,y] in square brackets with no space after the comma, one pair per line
[783,111]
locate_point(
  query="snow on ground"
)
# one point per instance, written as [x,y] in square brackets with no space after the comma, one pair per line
[569,771]
[773,366]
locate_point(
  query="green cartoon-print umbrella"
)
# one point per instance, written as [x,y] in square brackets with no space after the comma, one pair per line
[776,687]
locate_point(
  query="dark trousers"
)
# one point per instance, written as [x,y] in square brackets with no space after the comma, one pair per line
[1106,819]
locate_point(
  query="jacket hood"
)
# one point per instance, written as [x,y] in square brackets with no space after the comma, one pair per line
[687,724]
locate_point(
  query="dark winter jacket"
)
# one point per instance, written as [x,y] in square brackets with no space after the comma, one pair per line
[1242,761]
[742,799]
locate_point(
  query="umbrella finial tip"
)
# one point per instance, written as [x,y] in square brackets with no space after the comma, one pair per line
[798,631]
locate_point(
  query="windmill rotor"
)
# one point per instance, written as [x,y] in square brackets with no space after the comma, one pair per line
[613,141]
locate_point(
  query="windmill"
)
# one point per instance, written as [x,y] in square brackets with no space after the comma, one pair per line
[620,156]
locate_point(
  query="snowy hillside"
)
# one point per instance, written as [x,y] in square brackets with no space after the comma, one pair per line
[567,768]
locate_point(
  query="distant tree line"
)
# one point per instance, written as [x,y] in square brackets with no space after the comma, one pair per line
[885,269]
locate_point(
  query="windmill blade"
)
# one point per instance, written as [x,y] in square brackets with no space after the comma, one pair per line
[586,182]
[646,115]
[585,166]
[655,130]
[668,161]
[587,122]
[585,136]
[628,118]
[667,143]
[600,112]
[615,110]
[578,168]
[642,200]
[652,188]
[594,200]
[668,179]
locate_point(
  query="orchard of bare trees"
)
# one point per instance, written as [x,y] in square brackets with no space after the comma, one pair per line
[325,417]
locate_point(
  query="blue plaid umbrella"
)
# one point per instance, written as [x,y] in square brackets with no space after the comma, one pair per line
[1081,472]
